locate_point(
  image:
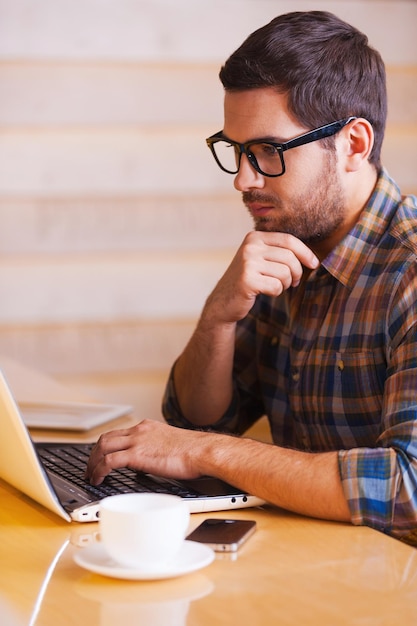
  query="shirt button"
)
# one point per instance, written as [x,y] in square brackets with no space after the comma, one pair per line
[340,365]
[274,341]
[295,375]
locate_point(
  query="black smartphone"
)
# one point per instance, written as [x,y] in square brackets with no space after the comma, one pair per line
[223,535]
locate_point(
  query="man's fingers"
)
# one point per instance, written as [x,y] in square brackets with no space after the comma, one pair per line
[288,242]
[102,454]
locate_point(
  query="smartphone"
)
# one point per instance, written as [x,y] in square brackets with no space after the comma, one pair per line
[223,535]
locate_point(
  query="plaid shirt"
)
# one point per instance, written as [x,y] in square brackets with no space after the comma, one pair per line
[333,364]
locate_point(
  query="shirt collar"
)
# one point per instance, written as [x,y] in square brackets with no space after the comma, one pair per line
[348,258]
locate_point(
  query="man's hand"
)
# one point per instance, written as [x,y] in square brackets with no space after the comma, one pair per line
[266,262]
[149,446]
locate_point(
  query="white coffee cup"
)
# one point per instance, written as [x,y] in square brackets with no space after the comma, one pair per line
[143,530]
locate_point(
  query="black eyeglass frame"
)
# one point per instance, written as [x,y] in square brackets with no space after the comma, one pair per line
[244,148]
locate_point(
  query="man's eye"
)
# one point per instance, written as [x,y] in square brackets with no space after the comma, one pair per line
[268,150]
[262,151]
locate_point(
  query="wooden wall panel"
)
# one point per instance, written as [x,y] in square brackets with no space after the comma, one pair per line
[181,30]
[106,286]
[56,94]
[81,224]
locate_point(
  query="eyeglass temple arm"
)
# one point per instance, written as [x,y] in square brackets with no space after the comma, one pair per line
[319,133]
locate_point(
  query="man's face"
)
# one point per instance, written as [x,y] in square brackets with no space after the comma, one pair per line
[307,201]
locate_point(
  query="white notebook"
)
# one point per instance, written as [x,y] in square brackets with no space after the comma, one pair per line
[77,416]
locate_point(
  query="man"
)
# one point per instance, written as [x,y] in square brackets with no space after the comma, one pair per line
[314,323]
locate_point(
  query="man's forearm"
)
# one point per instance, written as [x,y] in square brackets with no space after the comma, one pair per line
[203,373]
[306,483]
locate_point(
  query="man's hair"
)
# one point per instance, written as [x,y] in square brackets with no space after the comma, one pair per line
[323,64]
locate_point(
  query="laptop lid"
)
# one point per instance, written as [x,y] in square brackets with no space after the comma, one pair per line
[19,463]
[20,466]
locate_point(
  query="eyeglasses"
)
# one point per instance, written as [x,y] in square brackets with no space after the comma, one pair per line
[266,157]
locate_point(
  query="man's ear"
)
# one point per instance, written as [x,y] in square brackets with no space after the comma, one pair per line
[358,142]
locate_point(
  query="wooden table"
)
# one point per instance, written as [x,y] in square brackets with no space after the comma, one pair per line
[293,570]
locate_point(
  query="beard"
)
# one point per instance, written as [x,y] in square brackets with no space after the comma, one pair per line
[313,216]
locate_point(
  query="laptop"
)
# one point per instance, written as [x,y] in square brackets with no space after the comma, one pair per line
[52,474]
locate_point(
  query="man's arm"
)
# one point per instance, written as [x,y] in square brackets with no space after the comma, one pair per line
[302,482]
[265,263]
[203,373]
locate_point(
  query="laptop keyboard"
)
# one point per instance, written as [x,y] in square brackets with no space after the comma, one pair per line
[69,462]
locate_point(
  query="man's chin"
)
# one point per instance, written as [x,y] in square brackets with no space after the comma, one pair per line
[265,225]
[269,226]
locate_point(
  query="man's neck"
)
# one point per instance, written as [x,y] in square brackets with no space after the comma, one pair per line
[357,197]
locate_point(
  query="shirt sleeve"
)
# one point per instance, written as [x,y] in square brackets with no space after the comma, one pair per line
[380,483]
[173,415]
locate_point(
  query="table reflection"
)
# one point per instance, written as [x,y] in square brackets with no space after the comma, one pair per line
[156,603]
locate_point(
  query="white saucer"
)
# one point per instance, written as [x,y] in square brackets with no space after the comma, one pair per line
[192,556]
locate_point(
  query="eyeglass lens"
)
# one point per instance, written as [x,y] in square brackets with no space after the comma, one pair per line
[266,156]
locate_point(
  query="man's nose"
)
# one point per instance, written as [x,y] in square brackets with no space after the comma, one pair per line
[247,177]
